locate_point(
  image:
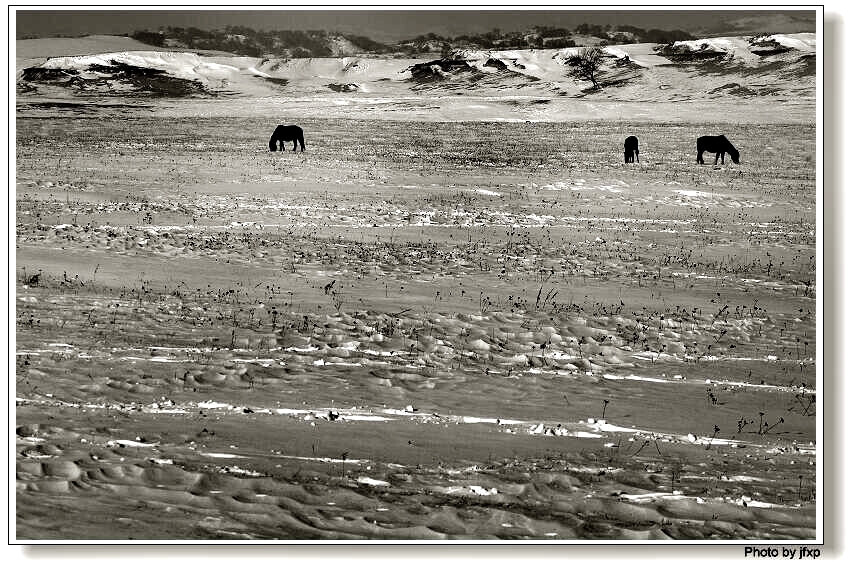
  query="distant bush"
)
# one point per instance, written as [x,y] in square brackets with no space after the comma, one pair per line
[155,38]
[301,53]
[559,43]
[367,44]
[656,35]
[315,42]
[592,29]
[661,36]
[550,31]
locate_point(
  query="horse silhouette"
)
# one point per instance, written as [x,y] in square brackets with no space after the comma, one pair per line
[631,149]
[718,145]
[283,134]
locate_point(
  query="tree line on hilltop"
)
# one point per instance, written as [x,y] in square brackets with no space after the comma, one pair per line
[248,42]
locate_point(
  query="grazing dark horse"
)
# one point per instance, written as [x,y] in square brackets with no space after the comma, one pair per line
[283,134]
[631,149]
[718,145]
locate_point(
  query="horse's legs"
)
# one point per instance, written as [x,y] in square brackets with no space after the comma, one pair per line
[699,158]
[281,145]
[295,146]
[637,156]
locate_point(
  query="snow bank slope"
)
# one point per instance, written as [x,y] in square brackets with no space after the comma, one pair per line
[187,66]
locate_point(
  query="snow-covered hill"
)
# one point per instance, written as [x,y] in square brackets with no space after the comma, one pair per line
[777,68]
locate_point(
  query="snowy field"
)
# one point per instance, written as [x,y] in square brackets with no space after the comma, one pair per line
[458,314]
